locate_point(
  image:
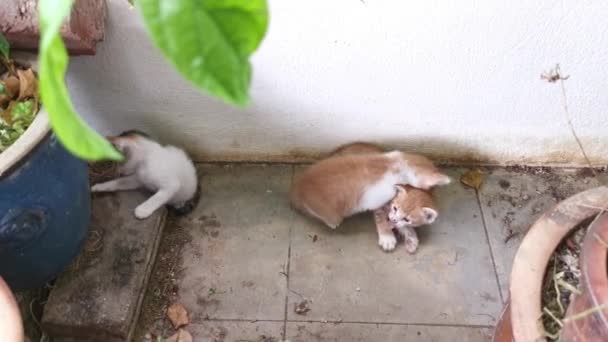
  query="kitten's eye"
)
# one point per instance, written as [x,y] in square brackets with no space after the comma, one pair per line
[394,208]
[406,219]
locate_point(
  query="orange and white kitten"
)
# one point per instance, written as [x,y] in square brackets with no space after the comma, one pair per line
[343,185]
[165,170]
[410,208]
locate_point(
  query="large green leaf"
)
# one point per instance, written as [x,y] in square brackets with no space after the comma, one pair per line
[4,46]
[71,130]
[209,41]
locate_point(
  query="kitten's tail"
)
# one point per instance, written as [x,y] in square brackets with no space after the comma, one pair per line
[190,204]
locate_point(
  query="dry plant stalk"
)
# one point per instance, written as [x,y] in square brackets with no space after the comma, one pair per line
[554,76]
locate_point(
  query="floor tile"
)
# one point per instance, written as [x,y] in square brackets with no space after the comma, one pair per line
[229,331]
[512,200]
[233,267]
[329,332]
[346,276]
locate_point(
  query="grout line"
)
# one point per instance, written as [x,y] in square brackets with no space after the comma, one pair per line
[485,229]
[419,324]
[287,268]
[455,164]
[439,325]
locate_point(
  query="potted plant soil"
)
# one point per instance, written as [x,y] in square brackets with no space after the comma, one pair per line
[551,297]
[44,190]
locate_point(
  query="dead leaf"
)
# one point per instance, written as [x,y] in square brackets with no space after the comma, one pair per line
[180,336]
[472,178]
[6,114]
[302,307]
[11,84]
[28,84]
[178,315]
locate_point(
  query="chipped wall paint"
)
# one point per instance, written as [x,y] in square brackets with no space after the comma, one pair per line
[458,80]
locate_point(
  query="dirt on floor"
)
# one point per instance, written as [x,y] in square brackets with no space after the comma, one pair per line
[561,185]
[162,288]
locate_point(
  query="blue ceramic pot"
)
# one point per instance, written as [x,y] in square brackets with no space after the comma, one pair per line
[45,207]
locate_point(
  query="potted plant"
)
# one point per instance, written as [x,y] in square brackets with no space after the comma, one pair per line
[588,312]
[44,191]
[520,320]
[45,202]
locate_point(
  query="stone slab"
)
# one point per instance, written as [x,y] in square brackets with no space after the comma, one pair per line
[450,279]
[330,332]
[98,297]
[225,331]
[233,267]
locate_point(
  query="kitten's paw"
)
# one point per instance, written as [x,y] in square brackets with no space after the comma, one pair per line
[411,245]
[142,213]
[98,188]
[387,242]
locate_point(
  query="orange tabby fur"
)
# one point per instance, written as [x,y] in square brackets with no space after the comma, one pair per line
[339,186]
[409,202]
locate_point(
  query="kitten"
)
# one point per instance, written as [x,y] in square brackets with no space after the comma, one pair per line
[165,170]
[410,208]
[343,185]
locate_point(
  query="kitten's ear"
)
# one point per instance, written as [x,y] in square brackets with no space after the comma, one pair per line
[400,189]
[430,215]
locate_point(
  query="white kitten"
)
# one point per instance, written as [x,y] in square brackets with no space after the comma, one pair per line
[165,170]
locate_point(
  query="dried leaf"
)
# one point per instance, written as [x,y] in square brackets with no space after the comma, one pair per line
[11,84]
[180,336]
[302,307]
[472,178]
[178,315]
[5,115]
[28,84]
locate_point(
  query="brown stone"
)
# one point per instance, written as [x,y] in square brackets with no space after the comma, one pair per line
[98,297]
[85,27]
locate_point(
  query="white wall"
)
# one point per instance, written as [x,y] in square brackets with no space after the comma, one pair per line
[454,79]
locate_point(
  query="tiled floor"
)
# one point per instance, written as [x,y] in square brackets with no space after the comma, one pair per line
[250,259]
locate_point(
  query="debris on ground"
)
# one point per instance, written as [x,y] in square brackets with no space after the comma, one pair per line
[302,307]
[472,178]
[103,171]
[178,315]
[562,281]
[162,288]
[180,336]
[314,237]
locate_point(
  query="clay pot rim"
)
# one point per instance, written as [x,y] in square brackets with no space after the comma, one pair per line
[534,253]
[594,262]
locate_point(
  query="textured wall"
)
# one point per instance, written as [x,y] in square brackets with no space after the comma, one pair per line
[454,79]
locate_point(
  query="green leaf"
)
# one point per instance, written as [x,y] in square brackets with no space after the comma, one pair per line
[4,46]
[23,111]
[72,131]
[2,88]
[210,41]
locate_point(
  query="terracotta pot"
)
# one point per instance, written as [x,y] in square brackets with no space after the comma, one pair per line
[11,326]
[504,331]
[531,261]
[594,288]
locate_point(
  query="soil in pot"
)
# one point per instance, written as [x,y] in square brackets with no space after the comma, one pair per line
[19,101]
[562,281]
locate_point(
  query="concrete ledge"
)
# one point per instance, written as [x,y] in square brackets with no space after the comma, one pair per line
[82,31]
[98,298]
